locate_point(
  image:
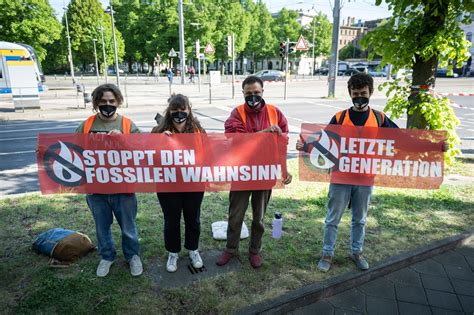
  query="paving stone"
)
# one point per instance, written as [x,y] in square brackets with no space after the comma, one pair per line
[349,300]
[377,305]
[379,287]
[470,261]
[410,293]
[405,276]
[320,307]
[183,276]
[341,311]
[460,273]
[436,283]
[451,258]
[442,311]
[429,267]
[443,300]
[466,250]
[467,303]
[405,308]
[463,287]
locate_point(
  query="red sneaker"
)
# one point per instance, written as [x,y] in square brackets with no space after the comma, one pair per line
[224,258]
[255,260]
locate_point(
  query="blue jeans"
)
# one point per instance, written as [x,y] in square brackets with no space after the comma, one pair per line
[124,208]
[339,197]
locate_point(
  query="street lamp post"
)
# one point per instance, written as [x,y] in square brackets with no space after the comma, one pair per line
[314,27]
[332,75]
[101,28]
[181,39]
[115,44]
[94,40]
[71,63]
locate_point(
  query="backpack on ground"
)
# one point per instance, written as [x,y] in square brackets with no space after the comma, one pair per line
[63,246]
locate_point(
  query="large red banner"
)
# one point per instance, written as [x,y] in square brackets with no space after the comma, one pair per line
[99,163]
[369,156]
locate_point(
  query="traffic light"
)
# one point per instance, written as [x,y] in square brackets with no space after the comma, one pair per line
[282,49]
[291,47]
[228,46]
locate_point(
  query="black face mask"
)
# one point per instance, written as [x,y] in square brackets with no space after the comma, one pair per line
[179,117]
[360,102]
[107,110]
[253,100]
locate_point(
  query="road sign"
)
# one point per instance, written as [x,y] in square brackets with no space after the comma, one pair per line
[172,53]
[209,49]
[301,44]
[198,48]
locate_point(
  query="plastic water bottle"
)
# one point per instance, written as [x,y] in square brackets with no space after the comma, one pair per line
[277,226]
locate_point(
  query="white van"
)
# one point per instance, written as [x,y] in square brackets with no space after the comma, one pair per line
[19,75]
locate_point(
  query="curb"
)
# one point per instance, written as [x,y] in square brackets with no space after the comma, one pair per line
[318,291]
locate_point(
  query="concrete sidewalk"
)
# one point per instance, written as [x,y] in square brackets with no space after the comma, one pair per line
[436,278]
[443,284]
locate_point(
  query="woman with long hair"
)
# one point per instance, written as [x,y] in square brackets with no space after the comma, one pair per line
[178,118]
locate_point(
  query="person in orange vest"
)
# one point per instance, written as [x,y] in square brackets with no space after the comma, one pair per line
[361,87]
[254,116]
[106,99]
[178,118]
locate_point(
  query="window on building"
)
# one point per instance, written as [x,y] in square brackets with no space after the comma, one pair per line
[469,36]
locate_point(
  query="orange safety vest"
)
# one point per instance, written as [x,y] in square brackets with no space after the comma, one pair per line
[375,119]
[126,124]
[271,111]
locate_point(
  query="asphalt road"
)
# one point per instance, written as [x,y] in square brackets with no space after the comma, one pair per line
[18,137]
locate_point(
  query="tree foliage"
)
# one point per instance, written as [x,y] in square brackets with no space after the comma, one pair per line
[420,35]
[85,18]
[350,51]
[29,21]
[322,28]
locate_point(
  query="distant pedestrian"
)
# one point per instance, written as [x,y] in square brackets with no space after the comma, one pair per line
[169,75]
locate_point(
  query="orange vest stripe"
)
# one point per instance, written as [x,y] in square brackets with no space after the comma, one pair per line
[271,111]
[371,120]
[126,124]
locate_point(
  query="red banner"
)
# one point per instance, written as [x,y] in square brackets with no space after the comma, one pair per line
[408,158]
[98,163]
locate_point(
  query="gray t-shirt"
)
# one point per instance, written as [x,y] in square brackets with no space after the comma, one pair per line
[103,126]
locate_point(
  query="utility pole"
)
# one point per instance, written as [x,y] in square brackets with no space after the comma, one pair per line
[181,40]
[332,75]
[287,48]
[233,65]
[71,63]
[115,44]
[96,63]
[101,28]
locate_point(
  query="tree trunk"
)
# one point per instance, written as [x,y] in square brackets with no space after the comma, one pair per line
[423,77]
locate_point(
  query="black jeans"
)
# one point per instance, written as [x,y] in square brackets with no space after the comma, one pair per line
[190,204]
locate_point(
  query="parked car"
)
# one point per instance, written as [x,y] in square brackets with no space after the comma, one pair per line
[322,71]
[349,72]
[443,73]
[112,71]
[270,75]
[377,73]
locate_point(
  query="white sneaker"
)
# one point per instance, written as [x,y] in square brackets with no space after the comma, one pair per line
[103,268]
[172,264]
[136,267]
[195,258]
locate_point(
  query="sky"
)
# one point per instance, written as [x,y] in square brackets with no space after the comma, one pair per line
[359,9]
